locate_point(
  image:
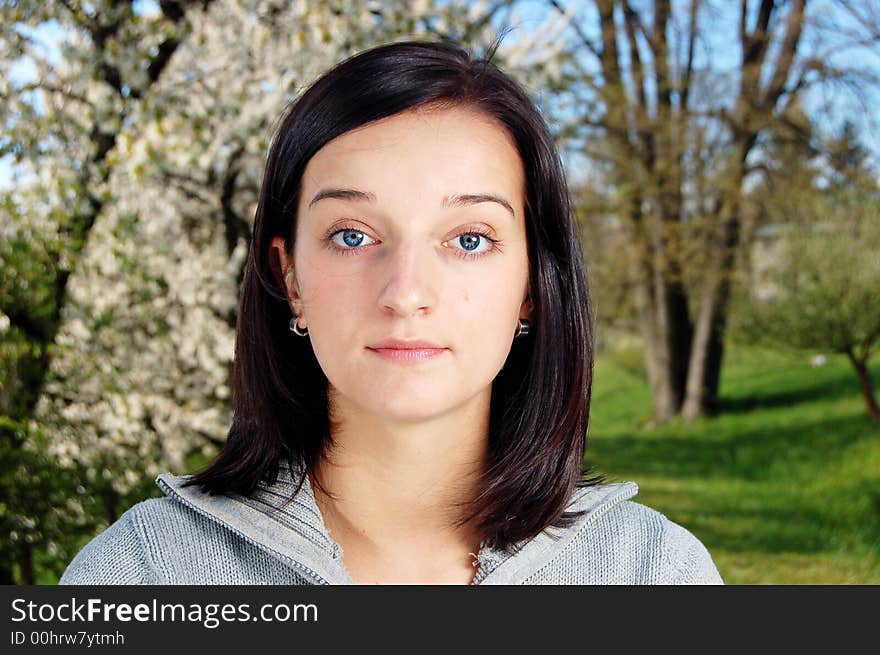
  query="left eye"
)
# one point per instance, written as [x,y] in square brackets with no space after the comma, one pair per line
[471,239]
[347,232]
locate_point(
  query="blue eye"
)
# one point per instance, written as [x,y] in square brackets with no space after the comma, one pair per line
[353,242]
[472,239]
[351,238]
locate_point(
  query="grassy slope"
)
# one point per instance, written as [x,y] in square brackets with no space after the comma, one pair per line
[783,486]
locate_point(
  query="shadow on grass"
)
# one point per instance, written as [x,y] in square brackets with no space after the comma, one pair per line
[775,510]
[795,450]
[772,525]
[780,529]
[841,385]
[780,469]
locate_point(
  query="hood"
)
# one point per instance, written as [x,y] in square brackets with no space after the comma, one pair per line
[295,533]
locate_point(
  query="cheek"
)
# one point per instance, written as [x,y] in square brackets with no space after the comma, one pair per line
[485,309]
[334,309]
[328,289]
[333,303]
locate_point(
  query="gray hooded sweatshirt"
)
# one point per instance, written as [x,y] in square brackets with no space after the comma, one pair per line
[191,537]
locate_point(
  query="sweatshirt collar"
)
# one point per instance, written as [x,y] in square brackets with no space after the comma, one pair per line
[295,532]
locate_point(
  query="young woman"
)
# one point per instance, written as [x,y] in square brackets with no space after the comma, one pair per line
[414,361]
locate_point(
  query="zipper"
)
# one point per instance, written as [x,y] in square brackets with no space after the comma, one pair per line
[318,580]
[483,570]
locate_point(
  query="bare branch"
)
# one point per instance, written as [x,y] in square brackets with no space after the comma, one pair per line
[685,87]
[638,74]
[785,58]
[49,87]
[585,40]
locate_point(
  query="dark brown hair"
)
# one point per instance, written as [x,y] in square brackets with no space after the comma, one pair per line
[541,397]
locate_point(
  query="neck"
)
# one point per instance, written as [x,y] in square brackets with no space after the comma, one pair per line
[397,489]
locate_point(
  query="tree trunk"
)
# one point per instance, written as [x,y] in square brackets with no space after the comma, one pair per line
[666,334]
[6,577]
[664,324]
[704,367]
[650,141]
[680,337]
[109,500]
[76,228]
[699,360]
[714,357]
[867,387]
[658,363]
[655,353]
[26,564]
[705,400]
[761,86]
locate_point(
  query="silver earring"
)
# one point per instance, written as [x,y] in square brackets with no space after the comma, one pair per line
[522,329]
[296,329]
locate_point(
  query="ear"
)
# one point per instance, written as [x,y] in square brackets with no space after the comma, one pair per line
[282,267]
[527,307]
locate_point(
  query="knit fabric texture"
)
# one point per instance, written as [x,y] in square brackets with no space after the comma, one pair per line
[189,537]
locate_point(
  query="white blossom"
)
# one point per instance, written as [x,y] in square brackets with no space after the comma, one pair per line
[139,380]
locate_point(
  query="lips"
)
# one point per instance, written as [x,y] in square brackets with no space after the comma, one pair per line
[407,351]
[405,344]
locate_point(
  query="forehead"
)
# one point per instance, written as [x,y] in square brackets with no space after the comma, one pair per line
[422,152]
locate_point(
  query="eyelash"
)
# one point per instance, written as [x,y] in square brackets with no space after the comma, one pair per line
[495,243]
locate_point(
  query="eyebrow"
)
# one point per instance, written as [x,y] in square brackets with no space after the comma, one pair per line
[458,200]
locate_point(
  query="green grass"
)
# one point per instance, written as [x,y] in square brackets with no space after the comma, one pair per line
[783,486]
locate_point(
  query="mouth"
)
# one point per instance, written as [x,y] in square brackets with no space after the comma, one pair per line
[394,343]
[408,355]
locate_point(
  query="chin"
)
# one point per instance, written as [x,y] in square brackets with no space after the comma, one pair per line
[410,411]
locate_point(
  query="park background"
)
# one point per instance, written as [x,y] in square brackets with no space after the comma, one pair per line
[722,158]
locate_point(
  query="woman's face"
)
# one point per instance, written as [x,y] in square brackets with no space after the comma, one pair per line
[384,250]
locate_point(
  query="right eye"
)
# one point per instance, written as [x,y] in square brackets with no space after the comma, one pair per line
[350,242]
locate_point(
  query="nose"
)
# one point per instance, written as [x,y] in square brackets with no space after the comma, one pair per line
[409,280]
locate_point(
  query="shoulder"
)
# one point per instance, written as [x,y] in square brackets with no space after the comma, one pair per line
[143,546]
[119,554]
[651,548]
[686,559]
[620,541]
[162,541]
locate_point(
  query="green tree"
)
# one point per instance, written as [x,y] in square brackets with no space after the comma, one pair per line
[137,143]
[819,292]
[679,132]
